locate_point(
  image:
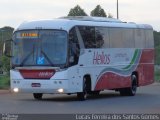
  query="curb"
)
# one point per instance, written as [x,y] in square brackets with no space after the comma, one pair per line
[5,92]
[156,83]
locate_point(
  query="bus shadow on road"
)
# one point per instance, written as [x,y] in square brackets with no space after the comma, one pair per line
[109,96]
[71,98]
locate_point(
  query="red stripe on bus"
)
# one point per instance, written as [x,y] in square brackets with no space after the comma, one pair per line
[37,74]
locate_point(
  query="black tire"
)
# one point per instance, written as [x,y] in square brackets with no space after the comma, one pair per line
[83,95]
[131,91]
[95,92]
[37,96]
[123,91]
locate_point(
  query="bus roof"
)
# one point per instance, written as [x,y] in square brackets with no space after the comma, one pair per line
[66,23]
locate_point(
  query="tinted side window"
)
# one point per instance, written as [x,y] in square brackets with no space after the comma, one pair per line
[139,38]
[74,47]
[102,37]
[149,39]
[88,36]
[128,38]
[115,37]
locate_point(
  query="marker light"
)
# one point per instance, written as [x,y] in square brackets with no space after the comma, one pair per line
[60,90]
[16,90]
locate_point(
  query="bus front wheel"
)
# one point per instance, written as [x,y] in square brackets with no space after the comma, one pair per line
[83,95]
[37,96]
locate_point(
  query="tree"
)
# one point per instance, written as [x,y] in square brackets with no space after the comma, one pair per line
[5,64]
[98,11]
[77,11]
[110,15]
[156,38]
[5,34]
[157,47]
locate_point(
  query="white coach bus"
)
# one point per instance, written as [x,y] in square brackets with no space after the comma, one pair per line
[82,55]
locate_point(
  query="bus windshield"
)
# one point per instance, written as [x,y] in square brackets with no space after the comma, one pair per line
[39,48]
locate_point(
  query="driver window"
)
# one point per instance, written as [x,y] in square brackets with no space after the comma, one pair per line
[74,47]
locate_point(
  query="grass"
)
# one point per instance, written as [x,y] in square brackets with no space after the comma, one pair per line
[157,55]
[157,75]
[4,81]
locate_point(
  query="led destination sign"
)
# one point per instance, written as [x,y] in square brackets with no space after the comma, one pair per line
[29,35]
[22,35]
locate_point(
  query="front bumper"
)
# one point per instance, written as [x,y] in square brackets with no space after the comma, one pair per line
[44,86]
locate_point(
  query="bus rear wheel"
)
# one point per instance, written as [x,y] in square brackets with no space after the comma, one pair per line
[131,91]
[37,96]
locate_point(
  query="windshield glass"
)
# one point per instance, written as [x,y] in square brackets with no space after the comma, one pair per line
[39,48]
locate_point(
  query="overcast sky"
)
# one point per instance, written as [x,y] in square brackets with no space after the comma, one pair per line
[14,12]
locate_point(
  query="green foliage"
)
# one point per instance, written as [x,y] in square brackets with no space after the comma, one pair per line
[157,38]
[77,11]
[4,81]
[157,55]
[157,47]
[5,61]
[5,34]
[157,74]
[98,11]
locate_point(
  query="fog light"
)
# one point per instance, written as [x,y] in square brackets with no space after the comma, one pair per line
[16,90]
[60,90]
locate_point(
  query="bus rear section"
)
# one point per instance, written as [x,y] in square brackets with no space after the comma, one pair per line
[119,69]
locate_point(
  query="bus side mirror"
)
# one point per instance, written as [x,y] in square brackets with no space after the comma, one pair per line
[7,48]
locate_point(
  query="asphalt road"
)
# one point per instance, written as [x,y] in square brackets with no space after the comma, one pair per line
[147,100]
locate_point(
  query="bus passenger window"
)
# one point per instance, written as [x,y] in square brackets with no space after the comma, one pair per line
[116,37]
[74,48]
[140,38]
[88,36]
[149,39]
[100,37]
[128,38]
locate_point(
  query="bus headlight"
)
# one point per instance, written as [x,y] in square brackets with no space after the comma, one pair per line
[16,90]
[60,90]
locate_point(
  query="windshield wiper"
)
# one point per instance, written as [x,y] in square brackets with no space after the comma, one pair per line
[26,58]
[48,59]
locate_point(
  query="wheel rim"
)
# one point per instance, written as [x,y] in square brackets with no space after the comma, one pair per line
[85,91]
[134,84]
